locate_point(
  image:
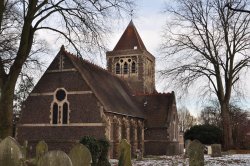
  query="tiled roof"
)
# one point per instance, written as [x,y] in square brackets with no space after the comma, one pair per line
[157,108]
[111,91]
[130,39]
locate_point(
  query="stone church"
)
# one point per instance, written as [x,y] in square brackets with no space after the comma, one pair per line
[75,98]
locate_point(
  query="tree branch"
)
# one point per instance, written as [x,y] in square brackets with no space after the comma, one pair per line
[235,9]
[62,33]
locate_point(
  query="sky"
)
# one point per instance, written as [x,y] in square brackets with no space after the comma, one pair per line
[149,20]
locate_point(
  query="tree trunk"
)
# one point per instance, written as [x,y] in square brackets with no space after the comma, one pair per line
[227,126]
[6,113]
[8,81]
[1,12]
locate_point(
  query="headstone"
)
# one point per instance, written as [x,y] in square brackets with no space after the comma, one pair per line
[181,143]
[196,153]
[216,150]
[138,154]
[10,152]
[124,153]
[41,149]
[24,148]
[209,150]
[187,143]
[80,155]
[55,158]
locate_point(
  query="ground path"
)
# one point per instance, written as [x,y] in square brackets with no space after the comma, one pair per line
[226,160]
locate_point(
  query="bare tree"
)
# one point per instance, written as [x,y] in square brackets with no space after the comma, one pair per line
[239,125]
[208,44]
[237,8]
[82,23]
[238,116]
[186,120]
[22,91]
[210,114]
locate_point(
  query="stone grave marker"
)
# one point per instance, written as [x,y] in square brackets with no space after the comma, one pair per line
[209,150]
[138,154]
[80,155]
[187,143]
[10,152]
[124,153]
[216,150]
[24,148]
[41,149]
[196,153]
[55,158]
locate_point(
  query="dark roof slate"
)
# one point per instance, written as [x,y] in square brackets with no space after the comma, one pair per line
[113,93]
[129,39]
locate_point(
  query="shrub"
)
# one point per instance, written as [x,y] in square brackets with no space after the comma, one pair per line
[98,149]
[206,134]
[104,147]
[92,144]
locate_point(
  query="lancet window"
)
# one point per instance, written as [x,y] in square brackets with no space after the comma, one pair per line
[117,68]
[126,66]
[60,107]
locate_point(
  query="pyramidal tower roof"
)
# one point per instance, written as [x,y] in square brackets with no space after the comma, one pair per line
[130,39]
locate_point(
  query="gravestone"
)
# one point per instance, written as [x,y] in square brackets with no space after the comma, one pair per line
[196,153]
[24,148]
[124,153]
[138,154]
[41,149]
[55,158]
[187,143]
[216,150]
[209,150]
[10,152]
[80,155]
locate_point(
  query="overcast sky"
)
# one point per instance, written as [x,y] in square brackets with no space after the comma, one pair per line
[149,20]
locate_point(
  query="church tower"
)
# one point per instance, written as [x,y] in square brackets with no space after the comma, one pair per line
[131,61]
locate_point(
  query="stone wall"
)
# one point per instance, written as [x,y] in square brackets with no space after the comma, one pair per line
[143,80]
[121,127]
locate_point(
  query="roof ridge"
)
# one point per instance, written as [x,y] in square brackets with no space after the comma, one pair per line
[87,61]
[95,65]
[137,36]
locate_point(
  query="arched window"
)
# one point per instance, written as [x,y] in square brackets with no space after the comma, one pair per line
[133,67]
[60,107]
[125,68]
[118,68]
[65,113]
[55,114]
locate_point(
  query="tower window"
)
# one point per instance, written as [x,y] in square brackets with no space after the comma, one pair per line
[55,114]
[125,68]
[133,67]
[117,68]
